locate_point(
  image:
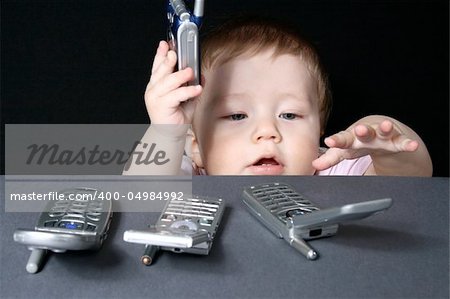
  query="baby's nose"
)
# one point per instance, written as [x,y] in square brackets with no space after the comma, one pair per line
[266,131]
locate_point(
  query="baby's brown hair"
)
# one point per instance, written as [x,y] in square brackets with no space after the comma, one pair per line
[251,35]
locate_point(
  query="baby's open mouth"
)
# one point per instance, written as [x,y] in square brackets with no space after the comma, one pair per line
[267,166]
[266,162]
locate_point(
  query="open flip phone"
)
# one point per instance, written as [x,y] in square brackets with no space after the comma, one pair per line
[292,217]
[183,34]
[78,222]
[188,225]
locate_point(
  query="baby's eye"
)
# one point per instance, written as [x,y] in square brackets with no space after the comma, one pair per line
[288,116]
[237,116]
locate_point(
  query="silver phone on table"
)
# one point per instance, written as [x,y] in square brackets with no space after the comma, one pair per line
[185,225]
[183,34]
[292,217]
[78,221]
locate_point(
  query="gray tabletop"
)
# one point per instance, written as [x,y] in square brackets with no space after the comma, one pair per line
[403,252]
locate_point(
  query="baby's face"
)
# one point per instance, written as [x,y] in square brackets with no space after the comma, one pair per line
[258,115]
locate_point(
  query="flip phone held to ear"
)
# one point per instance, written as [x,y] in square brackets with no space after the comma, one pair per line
[183,34]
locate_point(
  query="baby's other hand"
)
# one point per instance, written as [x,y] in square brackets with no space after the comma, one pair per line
[166,96]
[375,136]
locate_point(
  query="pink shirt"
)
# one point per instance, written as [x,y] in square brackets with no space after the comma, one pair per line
[356,166]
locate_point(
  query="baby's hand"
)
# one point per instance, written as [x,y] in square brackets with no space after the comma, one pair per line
[373,136]
[166,97]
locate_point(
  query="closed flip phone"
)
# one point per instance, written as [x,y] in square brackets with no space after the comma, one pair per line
[292,217]
[183,34]
[185,225]
[80,221]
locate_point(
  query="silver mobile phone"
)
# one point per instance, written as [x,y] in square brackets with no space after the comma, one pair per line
[78,221]
[290,216]
[185,225]
[183,34]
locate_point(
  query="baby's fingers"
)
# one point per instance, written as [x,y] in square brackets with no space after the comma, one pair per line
[161,54]
[387,131]
[182,94]
[172,82]
[343,139]
[365,133]
[165,68]
[330,158]
[405,144]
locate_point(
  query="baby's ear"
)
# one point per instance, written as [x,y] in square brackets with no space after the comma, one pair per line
[322,132]
[202,80]
[195,151]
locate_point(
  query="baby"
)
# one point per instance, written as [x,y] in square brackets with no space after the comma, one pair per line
[261,109]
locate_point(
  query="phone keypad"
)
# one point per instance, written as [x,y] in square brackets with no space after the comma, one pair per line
[75,215]
[200,211]
[282,200]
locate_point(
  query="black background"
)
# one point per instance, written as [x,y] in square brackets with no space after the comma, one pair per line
[88,61]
